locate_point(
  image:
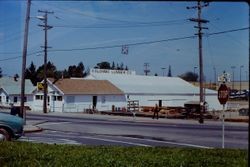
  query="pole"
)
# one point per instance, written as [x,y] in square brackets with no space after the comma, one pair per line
[45,65]
[223,126]
[199,20]
[25,43]
[46,27]
[233,67]
[200,64]
[194,70]
[240,77]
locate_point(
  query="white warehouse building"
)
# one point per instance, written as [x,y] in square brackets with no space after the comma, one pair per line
[172,91]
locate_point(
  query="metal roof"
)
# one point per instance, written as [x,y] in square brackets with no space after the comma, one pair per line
[141,84]
[13,87]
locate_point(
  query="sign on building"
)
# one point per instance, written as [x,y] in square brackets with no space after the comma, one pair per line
[40,86]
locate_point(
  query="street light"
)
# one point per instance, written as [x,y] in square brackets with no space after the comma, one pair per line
[233,67]
[215,80]
[195,72]
[240,76]
[195,68]
[163,69]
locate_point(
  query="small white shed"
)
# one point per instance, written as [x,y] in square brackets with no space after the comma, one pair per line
[10,91]
[78,95]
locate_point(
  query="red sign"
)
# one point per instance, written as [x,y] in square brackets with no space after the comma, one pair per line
[223,94]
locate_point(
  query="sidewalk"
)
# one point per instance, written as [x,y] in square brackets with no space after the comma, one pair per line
[136,119]
[31,126]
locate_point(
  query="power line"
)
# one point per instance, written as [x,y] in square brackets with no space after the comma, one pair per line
[129,44]
[62,10]
[17,57]
[120,26]
[116,46]
[228,31]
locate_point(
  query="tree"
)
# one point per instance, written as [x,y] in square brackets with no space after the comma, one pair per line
[51,70]
[189,76]
[169,72]
[75,71]
[126,68]
[31,73]
[113,66]
[103,65]
[16,76]
[1,75]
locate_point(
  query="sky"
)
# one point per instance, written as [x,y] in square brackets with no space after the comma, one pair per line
[155,33]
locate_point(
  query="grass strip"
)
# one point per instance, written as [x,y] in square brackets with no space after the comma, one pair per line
[25,154]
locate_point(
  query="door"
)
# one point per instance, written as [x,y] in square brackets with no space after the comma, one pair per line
[94,102]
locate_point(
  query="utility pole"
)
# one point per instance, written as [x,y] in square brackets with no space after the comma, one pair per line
[215,77]
[25,43]
[46,27]
[146,70]
[199,21]
[233,67]
[240,77]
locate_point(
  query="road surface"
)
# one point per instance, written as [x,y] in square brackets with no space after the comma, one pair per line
[84,129]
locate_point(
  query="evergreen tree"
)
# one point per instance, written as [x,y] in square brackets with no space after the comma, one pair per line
[126,68]
[1,75]
[113,66]
[189,76]
[31,73]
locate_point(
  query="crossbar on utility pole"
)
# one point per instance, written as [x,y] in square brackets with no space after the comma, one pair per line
[25,44]
[46,27]
[199,27]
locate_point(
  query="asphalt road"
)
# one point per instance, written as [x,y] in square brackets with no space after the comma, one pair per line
[103,130]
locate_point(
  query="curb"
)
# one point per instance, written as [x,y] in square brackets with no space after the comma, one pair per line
[38,129]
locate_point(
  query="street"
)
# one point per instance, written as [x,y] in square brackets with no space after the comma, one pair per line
[87,129]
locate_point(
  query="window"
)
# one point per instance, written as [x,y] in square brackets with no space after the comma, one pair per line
[103,99]
[25,99]
[0,99]
[15,99]
[59,98]
[39,97]
[7,99]
[70,99]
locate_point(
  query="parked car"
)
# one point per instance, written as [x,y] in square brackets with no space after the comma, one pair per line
[11,127]
[235,94]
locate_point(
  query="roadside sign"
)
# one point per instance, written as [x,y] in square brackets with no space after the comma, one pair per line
[223,94]
[40,86]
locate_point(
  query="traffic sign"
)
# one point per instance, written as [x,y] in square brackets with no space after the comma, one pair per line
[223,94]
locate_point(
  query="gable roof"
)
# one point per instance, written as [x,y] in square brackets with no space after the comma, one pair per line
[86,87]
[141,84]
[13,87]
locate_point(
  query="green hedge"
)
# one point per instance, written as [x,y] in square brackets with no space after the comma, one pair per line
[29,154]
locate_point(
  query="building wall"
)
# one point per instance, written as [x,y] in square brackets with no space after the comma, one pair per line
[3,96]
[174,100]
[80,103]
[59,102]
[54,103]
[6,99]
